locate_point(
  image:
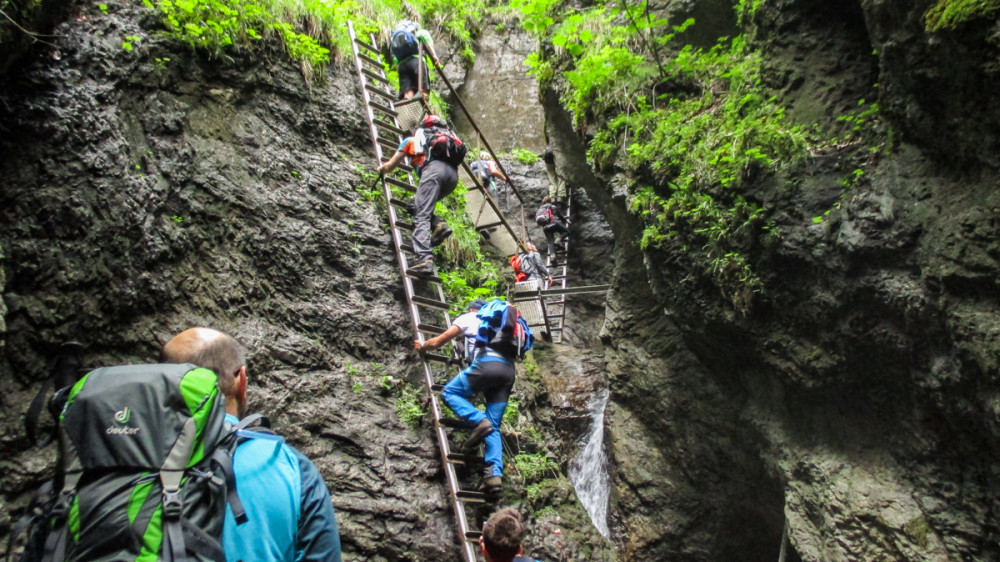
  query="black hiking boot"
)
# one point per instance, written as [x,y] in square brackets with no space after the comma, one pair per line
[441,232]
[482,429]
[492,486]
[422,269]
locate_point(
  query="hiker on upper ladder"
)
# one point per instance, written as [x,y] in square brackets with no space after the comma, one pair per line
[435,152]
[405,46]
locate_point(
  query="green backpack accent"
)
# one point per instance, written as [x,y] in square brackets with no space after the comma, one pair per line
[145,469]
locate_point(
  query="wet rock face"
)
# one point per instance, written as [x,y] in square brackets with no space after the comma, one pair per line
[858,399]
[146,191]
[499,94]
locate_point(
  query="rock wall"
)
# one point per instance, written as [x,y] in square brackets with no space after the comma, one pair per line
[145,191]
[857,401]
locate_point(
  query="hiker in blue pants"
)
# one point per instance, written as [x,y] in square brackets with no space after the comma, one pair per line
[503,337]
[492,374]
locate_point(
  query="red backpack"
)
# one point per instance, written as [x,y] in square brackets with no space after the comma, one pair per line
[515,262]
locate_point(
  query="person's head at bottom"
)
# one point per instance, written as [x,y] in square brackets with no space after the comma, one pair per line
[217,352]
[502,536]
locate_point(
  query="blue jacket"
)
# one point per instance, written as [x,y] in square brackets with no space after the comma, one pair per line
[289,511]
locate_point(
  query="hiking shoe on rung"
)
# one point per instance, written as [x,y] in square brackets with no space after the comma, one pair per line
[441,232]
[422,269]
[479,433]
[492,487]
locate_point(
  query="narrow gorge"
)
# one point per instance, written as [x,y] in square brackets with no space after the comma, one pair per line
[822,374]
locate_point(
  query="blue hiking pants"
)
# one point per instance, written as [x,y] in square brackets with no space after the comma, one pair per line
[492,375]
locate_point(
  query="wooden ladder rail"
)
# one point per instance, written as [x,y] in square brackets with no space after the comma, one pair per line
[415,303]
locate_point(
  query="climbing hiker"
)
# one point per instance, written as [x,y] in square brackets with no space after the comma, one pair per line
[550,218]
[466,325]
[503,337]
[528,265]
[289,513]
[557,185]
[486,169]
[405,45]
[442,152]
[503,534]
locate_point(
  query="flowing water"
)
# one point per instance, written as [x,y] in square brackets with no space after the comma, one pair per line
[588,471]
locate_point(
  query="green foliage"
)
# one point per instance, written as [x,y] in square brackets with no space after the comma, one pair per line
[949,14]
[409,406]
[532,466]
[461,19]
[525,157]
[467,271]
[689,127]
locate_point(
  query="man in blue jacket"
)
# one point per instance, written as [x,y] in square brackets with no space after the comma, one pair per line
[290,515]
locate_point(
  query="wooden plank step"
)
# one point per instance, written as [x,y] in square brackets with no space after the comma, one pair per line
[473,536]
[366,46]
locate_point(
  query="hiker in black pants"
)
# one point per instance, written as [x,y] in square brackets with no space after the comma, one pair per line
[405,46]
[438,178]
[552,221]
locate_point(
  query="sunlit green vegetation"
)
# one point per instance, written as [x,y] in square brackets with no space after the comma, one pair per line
[689,128]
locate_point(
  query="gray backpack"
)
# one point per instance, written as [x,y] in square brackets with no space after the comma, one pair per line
[144,470]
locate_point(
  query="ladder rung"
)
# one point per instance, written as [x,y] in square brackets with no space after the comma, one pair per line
[452,422]
[379,91]
[430,329]
[402,167]
[438,387]
[457,458]
[390,127]
[489,225]
[399,203]
[375,77]
[404,226]
[438,358]
[400,184]
[388,144]
[424,301]
[369,60]
[406,247]
[470,496]
[555,315]
[383,108]
[431,278]
[366,46]
[473,536]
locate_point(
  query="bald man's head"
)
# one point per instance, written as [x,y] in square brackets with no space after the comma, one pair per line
[210,349]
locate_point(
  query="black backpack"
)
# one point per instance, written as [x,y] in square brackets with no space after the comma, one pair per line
[443,144]
[403,43]
[544,216]
[145,469]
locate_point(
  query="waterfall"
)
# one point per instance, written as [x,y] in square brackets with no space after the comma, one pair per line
[588,470]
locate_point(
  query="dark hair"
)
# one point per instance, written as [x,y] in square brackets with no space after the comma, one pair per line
[549,156]
[502,534]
